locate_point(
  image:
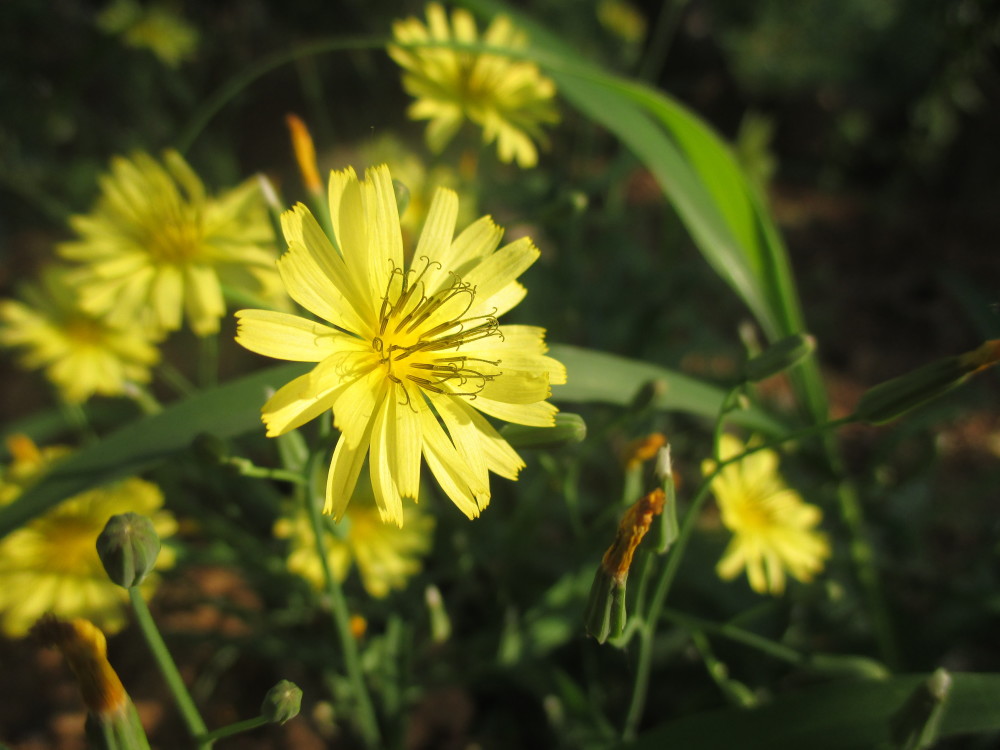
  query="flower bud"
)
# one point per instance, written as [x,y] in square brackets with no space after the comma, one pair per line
[604,616]
[112,721]
[916,724]
[305,153]
[893,398]
[128,547]
[779,356]
[569,428]
[282,702]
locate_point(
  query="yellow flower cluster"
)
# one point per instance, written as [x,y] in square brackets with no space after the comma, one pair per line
[509,99]
[387,556]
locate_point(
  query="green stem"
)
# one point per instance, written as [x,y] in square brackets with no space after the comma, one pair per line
[248,75]
[208,362]
[189,713]
[230,730]
[175,379]
[734,633]
[367,722]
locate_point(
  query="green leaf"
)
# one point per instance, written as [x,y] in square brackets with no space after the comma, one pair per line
[227,411]
[610,379]
[234,409]
[843,715]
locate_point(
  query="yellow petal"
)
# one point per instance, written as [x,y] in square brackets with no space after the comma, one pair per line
[541,414]
[294,404]
[284,336]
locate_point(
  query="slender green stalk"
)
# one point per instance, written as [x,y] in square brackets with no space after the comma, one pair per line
[165,662]
[175,379]
[367,721]
[208,361]
[647,630]
[230,730]
[659,41]
[231,89]
[734,633]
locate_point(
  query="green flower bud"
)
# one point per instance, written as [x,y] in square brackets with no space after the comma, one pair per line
[128,547]
[893,398]
[779,356]
[282,702]
[915,726]
[604,616]
[569,428]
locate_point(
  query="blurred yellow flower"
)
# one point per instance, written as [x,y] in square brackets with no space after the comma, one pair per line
[774,529]
[155,27]
[412,355]
[387,556]
[510,99]
[51,564]
[156,247]
[82,355]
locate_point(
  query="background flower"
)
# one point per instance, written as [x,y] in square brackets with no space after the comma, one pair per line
[156,247]
[51,564]
[774,530]
[510,99]
[387,556]
[82,355]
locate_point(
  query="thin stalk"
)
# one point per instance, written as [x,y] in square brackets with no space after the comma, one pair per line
[367,721]
[176,379]
[208,361]
[734,633]
[230,730]
[232,88]
[165,662]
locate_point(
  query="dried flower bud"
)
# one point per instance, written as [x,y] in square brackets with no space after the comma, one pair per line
[305,153]
[779,356]
[112,721]
[640,450]
[128,547]
[605,613]
[282,702]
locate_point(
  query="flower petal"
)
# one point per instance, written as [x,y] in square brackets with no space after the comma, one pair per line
[284,336]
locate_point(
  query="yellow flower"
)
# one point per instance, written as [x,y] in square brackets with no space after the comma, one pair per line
[157,247]
[510,99]
[51,564]
[412,355]
[386,556]
[156,28]
[82,355]
[774,530]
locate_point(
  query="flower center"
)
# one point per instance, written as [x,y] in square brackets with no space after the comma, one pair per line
[176,237]
[419,335]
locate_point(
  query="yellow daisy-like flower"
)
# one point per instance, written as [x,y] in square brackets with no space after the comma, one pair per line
[82,355]
[51,564]
[156,247]
[412,355]
[510,99]
[386,556]
[774,529]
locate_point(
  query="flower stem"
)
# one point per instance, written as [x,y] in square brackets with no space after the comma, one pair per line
[367,722]
[189,713]
[231,729]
